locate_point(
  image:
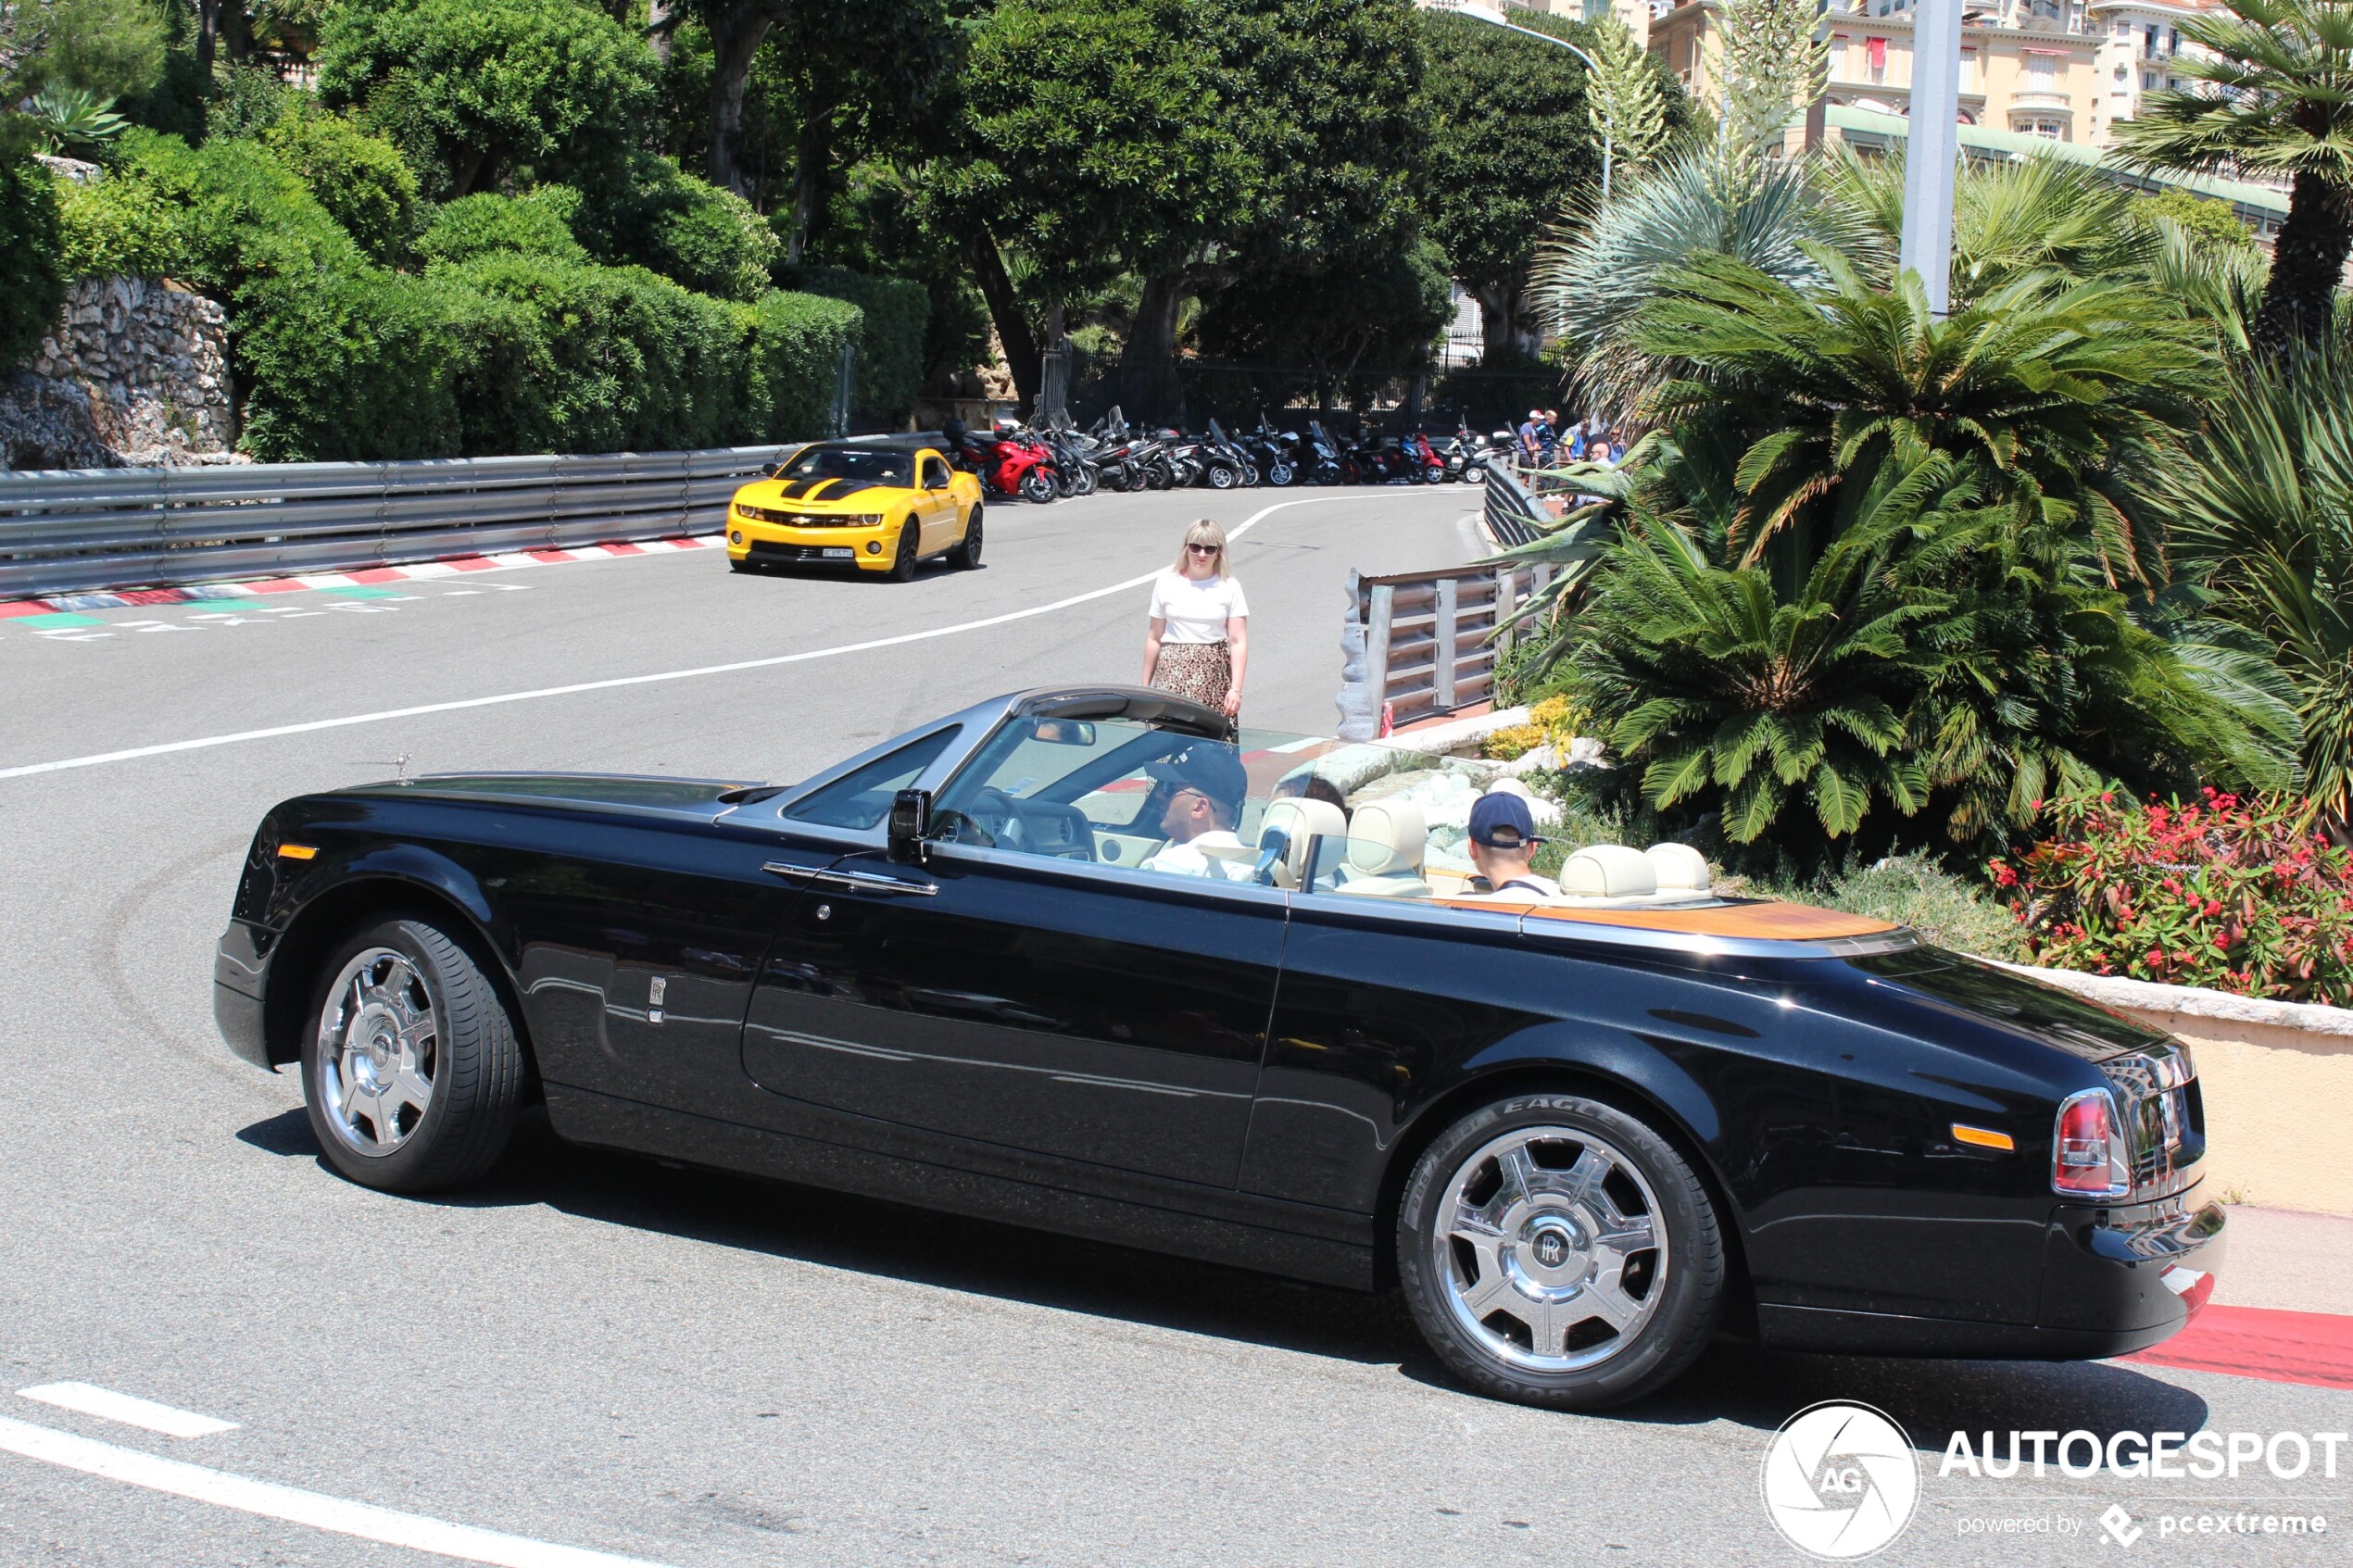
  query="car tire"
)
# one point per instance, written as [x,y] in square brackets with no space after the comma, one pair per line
[902,564]
[966,555]
[1528,1218]
[401,1014]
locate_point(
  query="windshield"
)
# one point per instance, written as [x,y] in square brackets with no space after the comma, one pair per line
[870,465]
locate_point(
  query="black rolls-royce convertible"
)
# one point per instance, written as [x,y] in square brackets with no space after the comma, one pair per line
[1090,961]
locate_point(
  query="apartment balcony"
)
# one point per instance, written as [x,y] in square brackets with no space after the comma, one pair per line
[2042,101]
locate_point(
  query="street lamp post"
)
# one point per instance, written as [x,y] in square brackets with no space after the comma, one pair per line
[1931,145]
[1480,11]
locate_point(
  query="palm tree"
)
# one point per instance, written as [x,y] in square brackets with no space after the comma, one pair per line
[2277,99]
[2262,512]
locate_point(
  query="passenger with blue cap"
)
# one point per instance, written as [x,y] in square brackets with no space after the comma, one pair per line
[1503,842]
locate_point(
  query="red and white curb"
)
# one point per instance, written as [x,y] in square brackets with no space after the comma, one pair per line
[203,593]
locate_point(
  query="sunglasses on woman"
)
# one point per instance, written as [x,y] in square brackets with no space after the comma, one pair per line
[1203,549]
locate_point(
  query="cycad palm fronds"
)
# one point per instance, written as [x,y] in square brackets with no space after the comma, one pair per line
[2052,384]
[2272,93]
[2262,518]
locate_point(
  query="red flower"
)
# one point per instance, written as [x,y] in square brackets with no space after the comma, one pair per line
[2004,877]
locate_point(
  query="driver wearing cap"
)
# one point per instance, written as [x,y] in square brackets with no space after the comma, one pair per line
[1503,841]
[1205,788]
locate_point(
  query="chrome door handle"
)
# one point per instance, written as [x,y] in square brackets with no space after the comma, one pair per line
[855,882]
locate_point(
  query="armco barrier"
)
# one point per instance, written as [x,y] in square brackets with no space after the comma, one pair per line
[68,532]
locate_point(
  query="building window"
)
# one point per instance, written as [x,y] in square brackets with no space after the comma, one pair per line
[2042,73]
[1875,59]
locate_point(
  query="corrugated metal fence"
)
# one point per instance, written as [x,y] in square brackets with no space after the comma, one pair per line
[67,531]
[1419,643]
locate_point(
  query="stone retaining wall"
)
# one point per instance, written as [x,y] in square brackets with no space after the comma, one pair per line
[135,373]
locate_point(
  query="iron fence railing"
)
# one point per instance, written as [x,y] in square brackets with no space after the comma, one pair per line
[68,532]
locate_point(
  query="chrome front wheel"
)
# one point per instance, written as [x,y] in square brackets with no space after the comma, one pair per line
[1556,1250]
[1549,1255]
[379,1052]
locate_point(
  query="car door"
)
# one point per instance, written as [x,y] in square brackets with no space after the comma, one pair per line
[1021,995]
[937,509]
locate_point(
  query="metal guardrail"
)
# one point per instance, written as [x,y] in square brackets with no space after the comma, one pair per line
[1511,508]
[74,531]
[1419,643]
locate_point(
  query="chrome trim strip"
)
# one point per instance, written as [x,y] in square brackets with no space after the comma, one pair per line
[854,882]
[1902,939]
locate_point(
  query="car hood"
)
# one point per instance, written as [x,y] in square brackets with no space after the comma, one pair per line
[820,494]
[616,792]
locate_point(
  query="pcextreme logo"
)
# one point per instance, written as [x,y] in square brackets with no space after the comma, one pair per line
[1841,1480]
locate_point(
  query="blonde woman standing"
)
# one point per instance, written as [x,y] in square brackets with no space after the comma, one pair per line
[1197,645]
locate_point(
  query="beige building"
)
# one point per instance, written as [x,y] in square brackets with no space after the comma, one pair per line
[2064,71]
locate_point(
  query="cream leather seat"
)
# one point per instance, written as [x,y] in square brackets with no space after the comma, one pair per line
[1608,871]
[1300,822]
[1682,870]
[1385,845]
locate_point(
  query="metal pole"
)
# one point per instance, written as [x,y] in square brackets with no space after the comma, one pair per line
[1934,144]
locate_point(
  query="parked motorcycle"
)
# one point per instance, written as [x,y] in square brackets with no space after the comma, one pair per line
[1323,460]
[1013,463]
[1224,464]
[1275,452]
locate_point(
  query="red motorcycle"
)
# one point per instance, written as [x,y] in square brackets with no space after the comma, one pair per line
[1013,462]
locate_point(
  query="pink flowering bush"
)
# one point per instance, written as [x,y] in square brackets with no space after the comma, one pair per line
[2223,892]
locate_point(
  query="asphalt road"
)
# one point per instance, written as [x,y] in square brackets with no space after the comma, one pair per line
[698,1371]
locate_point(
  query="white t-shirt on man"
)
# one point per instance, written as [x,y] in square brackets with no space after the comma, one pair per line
[1191,859]
[1196,609]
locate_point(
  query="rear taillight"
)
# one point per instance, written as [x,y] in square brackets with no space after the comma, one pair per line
[2087,1152]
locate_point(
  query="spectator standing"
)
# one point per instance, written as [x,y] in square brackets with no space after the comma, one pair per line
[1196,640]
[1577,442]
[1531,446]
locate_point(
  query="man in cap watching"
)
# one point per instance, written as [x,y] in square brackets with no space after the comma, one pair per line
[1205,787]
[1503,842]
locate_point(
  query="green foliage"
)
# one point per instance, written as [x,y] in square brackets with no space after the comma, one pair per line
[30,246]
[105,48]
[1767,58]
[536,223]
[2261,513]
[69,120]
[248,217]
[1499,164]
[1871,569]
[1626,100]
[361,179]
[611,359]
[686,229]
[1379,312]
[247,101]
[895,314]
[2205,220]
[477,89]
[794,352]
[352,364]
[1913,890]
[120,226]
[2239,896]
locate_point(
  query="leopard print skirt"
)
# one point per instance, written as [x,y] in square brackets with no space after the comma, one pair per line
[1202,672]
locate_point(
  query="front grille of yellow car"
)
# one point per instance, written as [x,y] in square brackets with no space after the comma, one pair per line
[804,520]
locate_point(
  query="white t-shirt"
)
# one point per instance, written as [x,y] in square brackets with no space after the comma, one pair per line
[1187,859]
[1196,609]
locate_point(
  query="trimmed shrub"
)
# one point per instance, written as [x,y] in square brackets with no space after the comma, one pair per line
[686,229]
[30,240]
[2236,894]
[247,217]
[890,344]
[247,100]
[538,223]
[362,181]
[121,226]
[795,356]
[617,359]
[350,366]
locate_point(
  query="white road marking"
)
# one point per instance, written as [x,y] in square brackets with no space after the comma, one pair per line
[108,1405]
[313,726]
[294,1506]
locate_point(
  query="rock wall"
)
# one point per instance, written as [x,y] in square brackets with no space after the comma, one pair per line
[135,374]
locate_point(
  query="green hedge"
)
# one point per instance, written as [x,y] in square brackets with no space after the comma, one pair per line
[125,226]
[538,223]
[246,216]
[890,346]
[29,245]
[795,356]
[362,181]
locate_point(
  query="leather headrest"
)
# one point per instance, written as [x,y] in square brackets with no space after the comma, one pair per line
[1680,868]
[1385,838]
[1608,871]
[1302,820]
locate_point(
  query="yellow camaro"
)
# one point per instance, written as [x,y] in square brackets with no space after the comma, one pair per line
[880,508]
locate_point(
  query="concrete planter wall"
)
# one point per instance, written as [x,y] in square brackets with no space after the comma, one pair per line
[2277,1079]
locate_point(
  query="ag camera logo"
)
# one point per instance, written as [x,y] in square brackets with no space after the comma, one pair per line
[1841,1480]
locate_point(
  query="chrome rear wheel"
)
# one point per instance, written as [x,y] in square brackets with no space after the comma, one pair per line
[379,1052]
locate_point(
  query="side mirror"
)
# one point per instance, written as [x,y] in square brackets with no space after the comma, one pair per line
[910,824]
